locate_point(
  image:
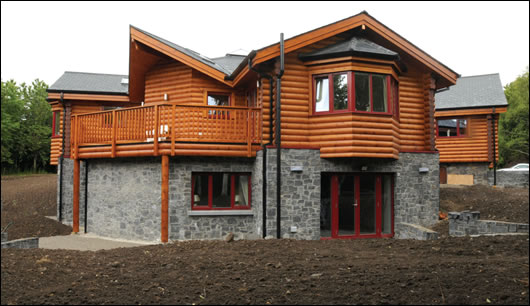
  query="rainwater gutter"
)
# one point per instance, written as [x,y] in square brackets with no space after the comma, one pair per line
[61,159]
[494,149]
[278,139]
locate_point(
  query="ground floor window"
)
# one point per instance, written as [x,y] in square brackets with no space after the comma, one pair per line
[220,190]
[356,205]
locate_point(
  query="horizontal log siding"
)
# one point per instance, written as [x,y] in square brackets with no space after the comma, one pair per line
[472,148]
[201,82]
[413,113]
[56,142]
[174,79]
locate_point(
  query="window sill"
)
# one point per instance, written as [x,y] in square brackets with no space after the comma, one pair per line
[352,112]
[195,213]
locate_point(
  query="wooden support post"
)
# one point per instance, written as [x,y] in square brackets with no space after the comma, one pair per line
[249,139]
[173,130]
[157,128]
[76,197]
[114,124]
[165,199]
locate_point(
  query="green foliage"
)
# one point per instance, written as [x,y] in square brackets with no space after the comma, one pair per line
[513,125]
[26,127]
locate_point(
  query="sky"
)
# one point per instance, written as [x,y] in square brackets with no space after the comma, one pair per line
[44,39]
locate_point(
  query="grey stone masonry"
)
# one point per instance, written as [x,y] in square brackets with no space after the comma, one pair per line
[124,198]
[24,243]
[416,194]
[510,178]
[186,224]
[68,191]
[413,231]
[480,171]
[469,223]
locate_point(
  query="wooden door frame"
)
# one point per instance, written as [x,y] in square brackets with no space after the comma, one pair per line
[379,196]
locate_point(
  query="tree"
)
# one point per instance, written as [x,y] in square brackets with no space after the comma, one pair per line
[26,126]
[513,125]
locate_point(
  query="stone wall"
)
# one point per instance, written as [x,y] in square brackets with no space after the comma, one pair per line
[124,198]
[68,191]
[480,171]
[124,195]
[510,178]
[416,195]
[469,223]
[414,231]
[24,243]
[187,224]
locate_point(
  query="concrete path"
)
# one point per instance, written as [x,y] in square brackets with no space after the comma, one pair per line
[87,242]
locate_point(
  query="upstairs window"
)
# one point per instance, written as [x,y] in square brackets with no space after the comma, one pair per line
[452,127]
[56,124]
[354,92]
[218,99]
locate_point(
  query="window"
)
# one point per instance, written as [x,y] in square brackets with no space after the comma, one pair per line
[354,92]
[452,127]
[56,124]
[218,99]
[220,191]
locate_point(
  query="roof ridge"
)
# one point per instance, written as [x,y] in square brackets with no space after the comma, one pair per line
[81,72]
[479,75]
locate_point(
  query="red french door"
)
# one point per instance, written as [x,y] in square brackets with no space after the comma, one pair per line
[359,206]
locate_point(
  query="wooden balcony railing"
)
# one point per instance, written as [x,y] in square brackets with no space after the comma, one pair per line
[170,125]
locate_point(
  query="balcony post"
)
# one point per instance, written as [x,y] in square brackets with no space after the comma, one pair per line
[114,133]
[155,140]
[249,139]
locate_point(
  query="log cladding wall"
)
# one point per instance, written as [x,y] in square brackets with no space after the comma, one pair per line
[471,148]
[413,112]
[348,134]
[173,79]
[57,142]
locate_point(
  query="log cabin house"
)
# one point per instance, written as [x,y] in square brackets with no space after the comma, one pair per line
[328,134]
[467,117]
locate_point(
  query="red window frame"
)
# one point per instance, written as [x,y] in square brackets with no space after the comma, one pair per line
[56,124]
[458,135]
[390,84]
[232,191]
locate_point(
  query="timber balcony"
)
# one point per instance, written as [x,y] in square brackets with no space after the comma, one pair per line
[167,129]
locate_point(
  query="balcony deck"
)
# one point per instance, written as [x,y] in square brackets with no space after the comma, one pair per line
[167,129]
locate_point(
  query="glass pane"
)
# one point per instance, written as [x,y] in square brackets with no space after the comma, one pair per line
[219,100]
[367,202]
[346,205]
[241,190]
[221,190]
[57,123]
[463,126]
[325,206]
[362,92]
[386,210]
[200,190]
[322,95]
[340,91]
[380,93]
[447,127]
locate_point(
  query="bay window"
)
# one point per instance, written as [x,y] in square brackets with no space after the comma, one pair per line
[353,91]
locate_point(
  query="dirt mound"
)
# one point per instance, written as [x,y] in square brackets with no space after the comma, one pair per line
[26,200]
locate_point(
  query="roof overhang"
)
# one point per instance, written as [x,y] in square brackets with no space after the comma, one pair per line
[88,97]
[362,19]
[471,111]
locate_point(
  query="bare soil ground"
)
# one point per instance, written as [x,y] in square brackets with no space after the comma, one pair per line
[450,270]
[26,200]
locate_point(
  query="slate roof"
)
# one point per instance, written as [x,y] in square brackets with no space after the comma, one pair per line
[354,46]
[85,82]
[472,92]
[196,55]
[229,62]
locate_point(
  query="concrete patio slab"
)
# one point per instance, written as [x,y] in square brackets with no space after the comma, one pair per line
[87,242]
